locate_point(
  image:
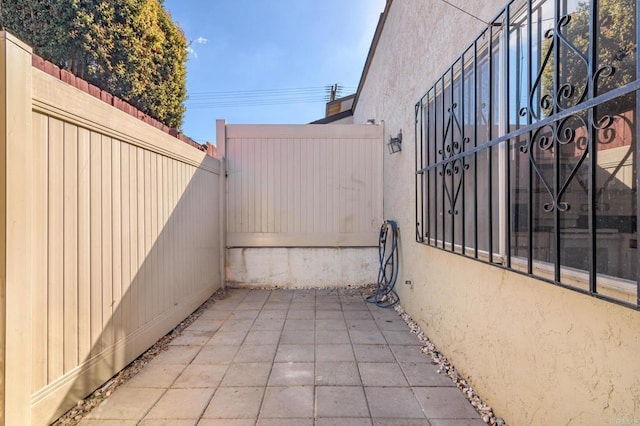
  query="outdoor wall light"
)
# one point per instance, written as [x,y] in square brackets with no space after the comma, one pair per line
[395,144]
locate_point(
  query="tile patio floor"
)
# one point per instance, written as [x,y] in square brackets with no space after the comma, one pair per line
[290,357]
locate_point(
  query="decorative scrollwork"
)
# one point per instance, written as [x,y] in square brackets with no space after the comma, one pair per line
[455,167]
[576,129]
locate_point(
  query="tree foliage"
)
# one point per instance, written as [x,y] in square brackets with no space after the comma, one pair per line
[130,48]
[616,53]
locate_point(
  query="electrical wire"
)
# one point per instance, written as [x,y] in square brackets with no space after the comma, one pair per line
[385,296]
[465,12]
[262,97]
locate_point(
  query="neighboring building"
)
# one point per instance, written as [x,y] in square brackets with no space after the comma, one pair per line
[516,195]
[338,111]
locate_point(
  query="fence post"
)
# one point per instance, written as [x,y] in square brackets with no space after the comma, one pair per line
[221,148]
[16,230]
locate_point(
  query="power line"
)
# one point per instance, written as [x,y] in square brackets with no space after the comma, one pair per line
[263,97]
[465,12]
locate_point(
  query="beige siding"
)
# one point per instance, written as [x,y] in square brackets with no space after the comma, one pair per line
[304,186]
[125,242]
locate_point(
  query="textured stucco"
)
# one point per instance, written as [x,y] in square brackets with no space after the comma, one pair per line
[539,354]
[301,267]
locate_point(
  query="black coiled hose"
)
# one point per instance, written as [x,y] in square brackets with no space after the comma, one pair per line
[385,296]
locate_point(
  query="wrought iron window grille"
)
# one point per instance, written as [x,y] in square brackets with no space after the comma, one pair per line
[526,147]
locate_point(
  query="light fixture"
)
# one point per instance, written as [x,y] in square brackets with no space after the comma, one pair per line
[395,144]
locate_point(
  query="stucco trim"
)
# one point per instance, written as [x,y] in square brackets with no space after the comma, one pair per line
[372,51]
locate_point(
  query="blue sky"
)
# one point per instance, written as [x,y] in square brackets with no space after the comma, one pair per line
[250,58]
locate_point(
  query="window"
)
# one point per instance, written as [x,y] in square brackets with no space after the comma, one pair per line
[526,147]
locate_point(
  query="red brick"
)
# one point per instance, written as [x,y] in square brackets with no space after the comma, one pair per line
[131,110]
[173,132]
[106,97]
[166,128]
[94,91]
[67,77]
[117,103]
[51,69]
[82,84]
[37,62]
[212,151]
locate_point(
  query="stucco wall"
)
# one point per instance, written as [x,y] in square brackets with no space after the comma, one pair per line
[301,267]
[539,354]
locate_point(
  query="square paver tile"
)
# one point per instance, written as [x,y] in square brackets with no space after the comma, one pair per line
[231,325]
[332,353]
[235,403]
[425,374]
[296,312]
[396,324]
[381,374]
[246,314]
[298,337]
[94,422]
[227,422]
[395,337]
[362,324]
[205,325]
[332,337]
[409,354]
[341,401]
[366,337]
[268,324]
[295,353]
[247,375]
[285,422]
[168,422]
[393,403]
[216,354]
[262,337]
[357,315]
[176,355]
[196,338]
[288,402]
[330,324]
[292,374]
[201,376]
[337,374]
[181,404]
[457,422]
[445,403]
[273,314]
[401,422]
[224,337]
[351,421]
[215,314]
[255,353]
[156,376]
[329,315]
[126,403]
[373,353]
[299,324]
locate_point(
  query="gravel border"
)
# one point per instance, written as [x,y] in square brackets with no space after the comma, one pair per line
[428,348]
[84,406]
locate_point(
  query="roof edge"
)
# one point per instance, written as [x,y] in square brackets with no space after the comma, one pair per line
[372,50]
[334,117]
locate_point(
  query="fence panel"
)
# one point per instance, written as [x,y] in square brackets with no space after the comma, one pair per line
[121,223]
[304,185]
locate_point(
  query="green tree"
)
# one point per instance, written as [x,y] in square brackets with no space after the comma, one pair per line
[616,54]
[130,48]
